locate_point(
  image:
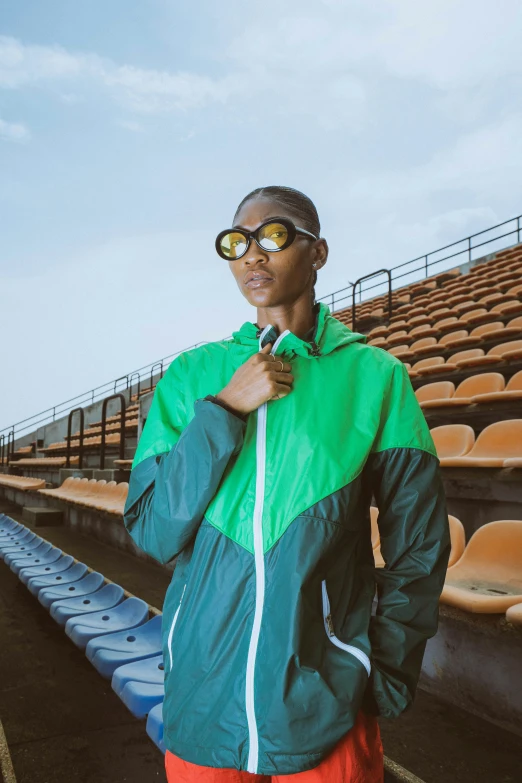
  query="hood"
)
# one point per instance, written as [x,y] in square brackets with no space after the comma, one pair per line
[329,334]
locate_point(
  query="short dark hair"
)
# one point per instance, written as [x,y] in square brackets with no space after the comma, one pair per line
[295,202]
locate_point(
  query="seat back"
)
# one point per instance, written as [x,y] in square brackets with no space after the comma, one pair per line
[448,338]
[453,440]
[498,350]
[502,439]
[495,547]
[484,329]
[458,539]
[484,383]
[516,322]
[398,349]
[515,383]
[423,343]
[442,390]
[432,361]
[471,353]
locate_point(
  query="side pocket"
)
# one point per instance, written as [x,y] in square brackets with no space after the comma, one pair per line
[173,625]
[328,624]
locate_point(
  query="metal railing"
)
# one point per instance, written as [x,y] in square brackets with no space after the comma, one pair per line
[123,422]
[69,437]
[462,251]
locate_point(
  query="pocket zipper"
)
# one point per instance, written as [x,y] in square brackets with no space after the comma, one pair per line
[169,640]
[328,624]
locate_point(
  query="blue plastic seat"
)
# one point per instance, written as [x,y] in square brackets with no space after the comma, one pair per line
[40,559]
[141,697]
[16,542]
[8,536]
[27,554]
[85,586]
[129,614]
[154,727]
[8,525]
[73,574]
[106,598]
[61,563]
[109,653]
[150,670]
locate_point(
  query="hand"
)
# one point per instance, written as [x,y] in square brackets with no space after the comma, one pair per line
[259,379]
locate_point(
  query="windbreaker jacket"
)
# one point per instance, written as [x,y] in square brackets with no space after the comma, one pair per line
[269,641]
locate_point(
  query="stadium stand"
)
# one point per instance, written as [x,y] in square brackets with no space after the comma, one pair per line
[459,334]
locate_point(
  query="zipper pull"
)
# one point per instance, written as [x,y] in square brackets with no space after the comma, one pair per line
[330,625]
[315,350]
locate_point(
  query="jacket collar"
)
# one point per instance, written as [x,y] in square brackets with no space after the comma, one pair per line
[329,334]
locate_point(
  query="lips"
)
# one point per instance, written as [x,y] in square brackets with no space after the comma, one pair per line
[254,277]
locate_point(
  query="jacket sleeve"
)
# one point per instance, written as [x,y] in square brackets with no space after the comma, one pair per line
[177,468]
[404,475]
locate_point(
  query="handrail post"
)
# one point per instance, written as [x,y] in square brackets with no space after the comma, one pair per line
[10,445]
[130,384]
[69,428]
[158,364]
[123,407]
[2,447]
[122,378]
[367,277]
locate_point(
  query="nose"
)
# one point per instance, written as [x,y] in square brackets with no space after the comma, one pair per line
[254,253]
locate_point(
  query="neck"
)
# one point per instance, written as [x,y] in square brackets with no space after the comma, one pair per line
[298,317]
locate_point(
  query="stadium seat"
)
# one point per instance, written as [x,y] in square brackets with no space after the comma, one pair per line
[129,614]
[17,560]
[60,563]
[46,558]
[85,586]
[19,538]
[105,598]
[21,482]
[514,614]
[72,574]
[488,576]
[108,653]
[496,443]
[141,697]
[452,440]
[436,395]
[499,353]
[154,726]
[425,366]
[433,394]
[458,540]
[149,670]
[513,391]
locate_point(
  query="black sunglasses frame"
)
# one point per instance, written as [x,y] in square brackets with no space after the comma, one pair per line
[292,229]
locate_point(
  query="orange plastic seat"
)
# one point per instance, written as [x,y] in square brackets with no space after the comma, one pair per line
[513,391]
[488,576]
[20,482]
[514,614]
[495,444]
[432,394]
[458,540]
[401,351]
[397,338]
[478,316]
[380,342]
[452,440]
[449,324]
[424,345]
[504,352]
[429,365]
[511,307]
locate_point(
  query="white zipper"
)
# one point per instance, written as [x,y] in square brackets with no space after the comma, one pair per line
[169,640]
[259,563]
[328,624]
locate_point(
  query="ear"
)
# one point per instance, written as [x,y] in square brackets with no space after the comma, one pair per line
[320,253]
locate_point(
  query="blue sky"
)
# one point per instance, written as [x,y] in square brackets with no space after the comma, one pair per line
[129,132]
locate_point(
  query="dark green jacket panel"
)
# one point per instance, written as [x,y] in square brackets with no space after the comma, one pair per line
[169,492]
[415,544]
[205,656]
[308,690]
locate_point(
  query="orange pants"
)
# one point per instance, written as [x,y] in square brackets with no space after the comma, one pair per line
[357,758]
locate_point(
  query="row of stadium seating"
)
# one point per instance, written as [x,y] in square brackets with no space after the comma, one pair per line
[119,633]
[485,388]
[497,446]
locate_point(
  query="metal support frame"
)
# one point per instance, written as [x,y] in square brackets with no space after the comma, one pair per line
[123,407]
[69,437]
[367,277]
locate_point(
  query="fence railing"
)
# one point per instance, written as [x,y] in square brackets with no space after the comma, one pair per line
[462,251]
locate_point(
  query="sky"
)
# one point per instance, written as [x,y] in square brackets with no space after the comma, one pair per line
[129,133]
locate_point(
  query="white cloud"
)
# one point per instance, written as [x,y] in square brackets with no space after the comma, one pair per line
[14,131]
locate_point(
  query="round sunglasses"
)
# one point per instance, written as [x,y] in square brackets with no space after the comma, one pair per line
[274,235]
